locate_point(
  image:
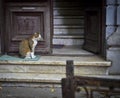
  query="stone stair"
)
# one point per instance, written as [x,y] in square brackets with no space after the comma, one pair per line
[68,40]
[51,68]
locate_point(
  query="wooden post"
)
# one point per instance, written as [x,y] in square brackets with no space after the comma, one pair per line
[68,90]
[69,68]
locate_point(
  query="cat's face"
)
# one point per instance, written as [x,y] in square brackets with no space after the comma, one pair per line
[38,37]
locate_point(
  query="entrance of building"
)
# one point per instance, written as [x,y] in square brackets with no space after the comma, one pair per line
[77,25]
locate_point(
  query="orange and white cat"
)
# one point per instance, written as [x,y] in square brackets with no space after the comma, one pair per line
[27,46]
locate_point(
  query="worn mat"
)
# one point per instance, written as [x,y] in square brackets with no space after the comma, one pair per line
[15,58]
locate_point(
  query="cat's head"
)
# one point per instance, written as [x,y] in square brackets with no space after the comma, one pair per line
[37,36]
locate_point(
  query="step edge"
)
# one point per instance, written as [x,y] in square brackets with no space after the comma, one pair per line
[57,63]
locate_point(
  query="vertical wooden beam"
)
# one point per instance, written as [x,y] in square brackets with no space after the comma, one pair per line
[68,87]
[0,23]
[69,68]
[68,90]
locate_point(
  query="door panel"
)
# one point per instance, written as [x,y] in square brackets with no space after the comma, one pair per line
[22,21]
[92,30]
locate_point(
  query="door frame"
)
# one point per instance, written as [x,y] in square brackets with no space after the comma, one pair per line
[103,27]
[2,27]
[4,33]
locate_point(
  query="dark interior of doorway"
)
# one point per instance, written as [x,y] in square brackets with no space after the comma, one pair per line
[88,38]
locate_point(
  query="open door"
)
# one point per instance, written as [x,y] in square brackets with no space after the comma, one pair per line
[92,30]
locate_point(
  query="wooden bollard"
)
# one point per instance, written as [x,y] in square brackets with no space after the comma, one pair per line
[68,82]
[69,68]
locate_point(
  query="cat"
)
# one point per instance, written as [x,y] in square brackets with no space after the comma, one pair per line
[27,46]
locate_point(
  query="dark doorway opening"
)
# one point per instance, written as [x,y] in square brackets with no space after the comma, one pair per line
[79,27]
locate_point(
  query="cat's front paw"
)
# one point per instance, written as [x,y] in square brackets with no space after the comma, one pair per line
[27,57]
[33,57]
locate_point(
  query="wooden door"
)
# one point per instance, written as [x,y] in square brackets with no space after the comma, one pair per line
[22,20]
[92,30]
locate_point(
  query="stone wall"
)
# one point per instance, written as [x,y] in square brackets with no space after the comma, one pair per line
[113,34]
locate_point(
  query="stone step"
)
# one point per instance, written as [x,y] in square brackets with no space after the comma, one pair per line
[31,77]
[68,39]
[51,68]
[68,36]
[80,68]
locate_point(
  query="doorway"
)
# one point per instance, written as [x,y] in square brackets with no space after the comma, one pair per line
[73,26]
[22,19]
[78,27]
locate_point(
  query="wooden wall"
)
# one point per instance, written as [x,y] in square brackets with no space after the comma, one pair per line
[0,22]
[68,22]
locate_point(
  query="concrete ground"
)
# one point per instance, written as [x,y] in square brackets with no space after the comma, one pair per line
[20,92]
[40,92]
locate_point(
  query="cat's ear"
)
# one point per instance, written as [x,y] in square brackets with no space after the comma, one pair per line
[36,33]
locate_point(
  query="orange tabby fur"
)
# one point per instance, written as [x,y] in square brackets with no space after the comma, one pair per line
[27,46]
